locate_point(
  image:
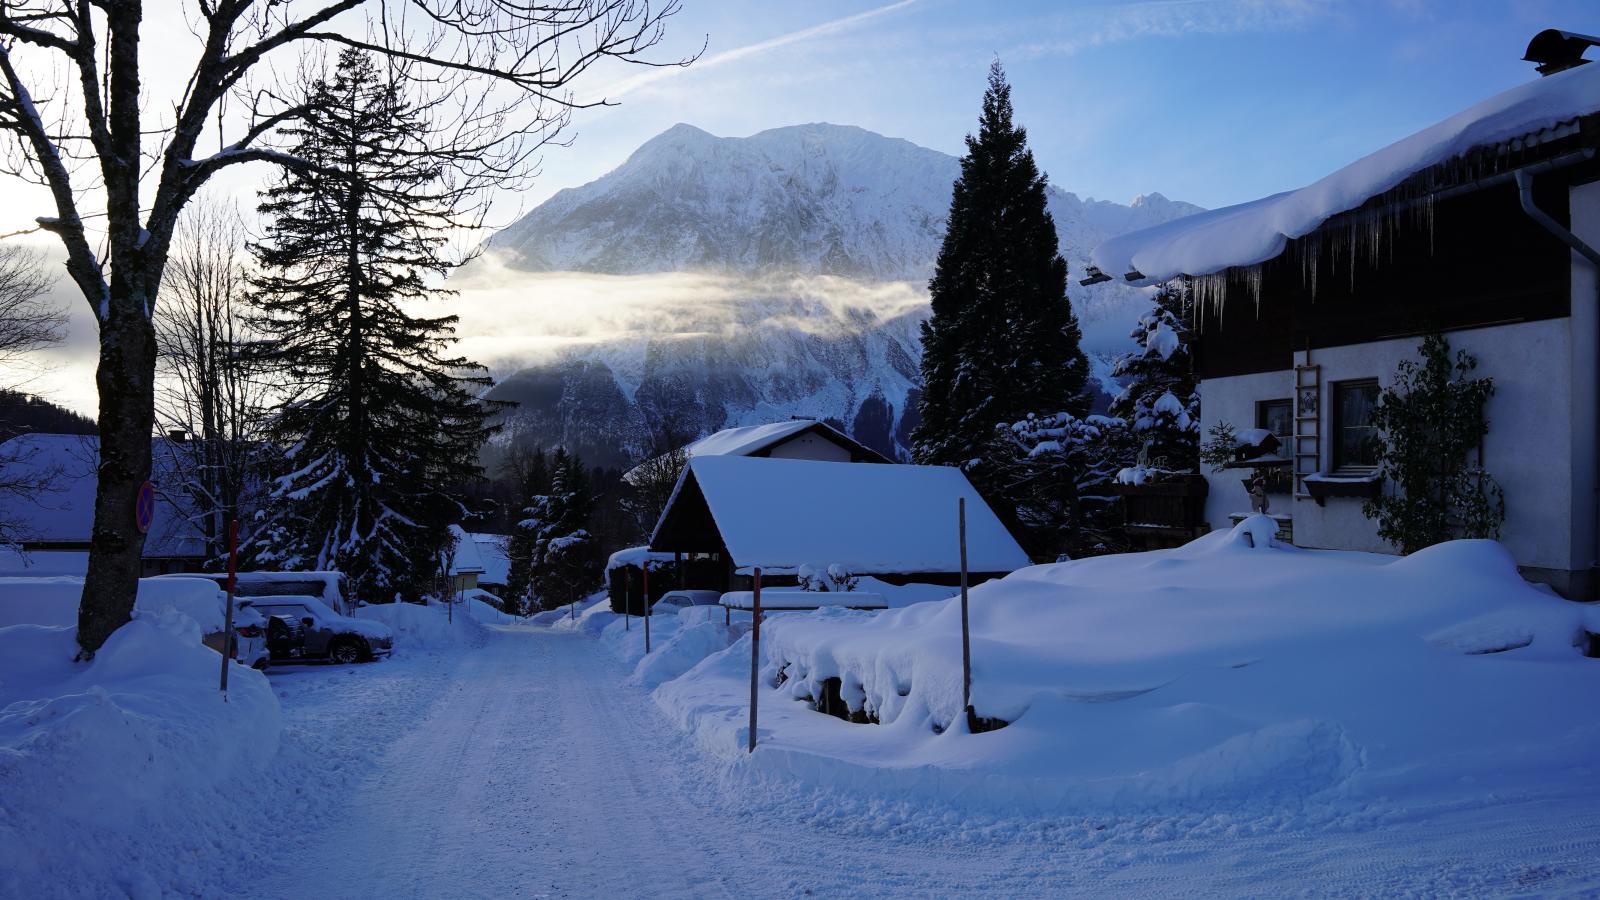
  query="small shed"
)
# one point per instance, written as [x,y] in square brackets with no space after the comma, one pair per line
[896,523]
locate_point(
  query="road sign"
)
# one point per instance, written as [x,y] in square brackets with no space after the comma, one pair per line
[144,507]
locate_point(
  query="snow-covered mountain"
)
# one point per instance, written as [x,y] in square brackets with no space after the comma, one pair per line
[805,229]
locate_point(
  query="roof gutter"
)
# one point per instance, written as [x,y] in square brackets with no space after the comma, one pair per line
[1582,248]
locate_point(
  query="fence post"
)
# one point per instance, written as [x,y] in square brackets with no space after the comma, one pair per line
[647,605]
[966,628]
[755,656]
[227,625]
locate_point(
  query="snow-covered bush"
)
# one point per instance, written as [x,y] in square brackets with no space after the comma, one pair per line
[833,577]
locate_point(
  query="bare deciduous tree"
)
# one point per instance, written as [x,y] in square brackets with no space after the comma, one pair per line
[498,73]
[206,388]
[27,323]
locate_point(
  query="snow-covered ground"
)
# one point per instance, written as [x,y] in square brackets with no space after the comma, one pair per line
[532,760]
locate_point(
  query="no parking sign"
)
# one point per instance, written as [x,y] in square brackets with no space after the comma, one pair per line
[144,507]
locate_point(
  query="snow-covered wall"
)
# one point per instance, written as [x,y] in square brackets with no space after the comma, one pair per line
[1584,362]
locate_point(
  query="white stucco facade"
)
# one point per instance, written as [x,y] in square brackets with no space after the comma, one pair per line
[808,445]
[1541,445]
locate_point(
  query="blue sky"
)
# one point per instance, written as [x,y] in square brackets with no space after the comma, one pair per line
[1212,101]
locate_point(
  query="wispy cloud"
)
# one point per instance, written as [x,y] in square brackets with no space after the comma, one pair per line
[652,76]
[1117,23]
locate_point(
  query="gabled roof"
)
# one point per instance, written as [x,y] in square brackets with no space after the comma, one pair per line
[63,511]
[1255,232]
[494,553]
[780,514]
[753,440]
[467,560]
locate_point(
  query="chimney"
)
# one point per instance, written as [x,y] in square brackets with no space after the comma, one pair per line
[1555,51]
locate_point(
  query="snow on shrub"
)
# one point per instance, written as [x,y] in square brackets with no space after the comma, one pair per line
[1232,672]
[115,775]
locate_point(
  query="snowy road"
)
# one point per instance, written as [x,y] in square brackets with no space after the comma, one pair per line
[526,769]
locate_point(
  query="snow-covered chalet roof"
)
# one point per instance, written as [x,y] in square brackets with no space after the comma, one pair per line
[62,512]
[467,560]
[781,514]
[1257,231]
[494,555]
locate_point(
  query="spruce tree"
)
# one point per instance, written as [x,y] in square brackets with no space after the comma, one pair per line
[535,484]
[380,427]
[1003,340]
[1160,402]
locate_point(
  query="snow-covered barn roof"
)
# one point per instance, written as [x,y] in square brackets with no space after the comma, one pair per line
[749,440]
[1255,232]
[62,512]
[781,514]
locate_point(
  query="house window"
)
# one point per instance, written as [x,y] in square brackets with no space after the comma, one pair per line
[1355,438]
[1277,417]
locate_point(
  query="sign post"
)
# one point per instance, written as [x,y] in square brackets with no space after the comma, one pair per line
[755,656]
[647,605]
[144,507]
[966,628]
[233,577]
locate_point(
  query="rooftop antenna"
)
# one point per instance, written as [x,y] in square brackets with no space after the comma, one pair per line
[1555,51]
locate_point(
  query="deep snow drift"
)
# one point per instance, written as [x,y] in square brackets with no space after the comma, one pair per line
[114,775]
[1231,673]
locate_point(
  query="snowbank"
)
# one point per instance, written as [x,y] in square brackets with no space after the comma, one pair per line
[1233,672]
[54,601]
[591,616]
[113,773]
[635,557]
[1257,231]
[428,628]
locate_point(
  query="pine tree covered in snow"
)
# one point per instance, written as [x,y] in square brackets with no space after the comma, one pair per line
[535,478]
[1056,471]
[380,427]
[554,557]
[1160,401]
[1003,340]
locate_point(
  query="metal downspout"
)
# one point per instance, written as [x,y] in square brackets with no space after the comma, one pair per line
[1579,246]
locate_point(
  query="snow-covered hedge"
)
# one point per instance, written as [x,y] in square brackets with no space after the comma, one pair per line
[1231,672]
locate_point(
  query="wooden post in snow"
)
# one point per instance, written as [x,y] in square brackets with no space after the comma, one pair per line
[966,628]
[227,623]
[647,604]
[627,599]
[755,656]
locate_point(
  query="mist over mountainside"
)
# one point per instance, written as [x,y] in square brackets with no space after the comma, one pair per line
[730,281]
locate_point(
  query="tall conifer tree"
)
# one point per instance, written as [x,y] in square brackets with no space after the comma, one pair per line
[1003,339]
[380,427]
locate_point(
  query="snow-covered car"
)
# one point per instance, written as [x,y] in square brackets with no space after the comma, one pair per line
[327,634]
[681,599]
[332,588]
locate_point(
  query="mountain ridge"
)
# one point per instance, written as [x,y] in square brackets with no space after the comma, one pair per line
[838,211]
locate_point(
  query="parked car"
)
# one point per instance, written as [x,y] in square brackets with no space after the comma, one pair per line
[249,644]
[285,637]
[682,599]
[327,634]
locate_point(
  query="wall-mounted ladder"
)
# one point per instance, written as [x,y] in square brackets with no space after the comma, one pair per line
[1307,426]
